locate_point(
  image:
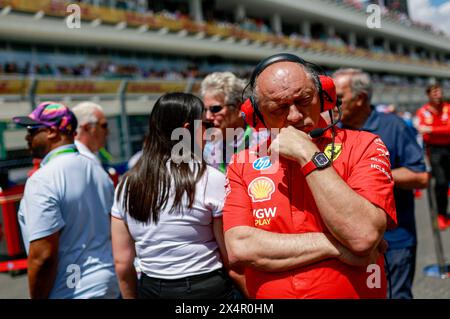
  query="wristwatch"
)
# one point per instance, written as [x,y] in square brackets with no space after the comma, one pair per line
[318,161]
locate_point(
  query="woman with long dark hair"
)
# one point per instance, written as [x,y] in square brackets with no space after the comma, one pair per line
[168,211]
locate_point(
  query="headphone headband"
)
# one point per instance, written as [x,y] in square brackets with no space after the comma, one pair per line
[263,64]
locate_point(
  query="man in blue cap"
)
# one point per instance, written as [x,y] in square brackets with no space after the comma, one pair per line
[64,213]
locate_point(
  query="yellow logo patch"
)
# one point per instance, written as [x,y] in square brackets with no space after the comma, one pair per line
[261,189]
[337,151]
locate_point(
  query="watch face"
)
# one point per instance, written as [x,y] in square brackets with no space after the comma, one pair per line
[321,160]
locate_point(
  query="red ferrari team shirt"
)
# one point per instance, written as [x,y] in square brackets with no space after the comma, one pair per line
[439,122]
[275,197]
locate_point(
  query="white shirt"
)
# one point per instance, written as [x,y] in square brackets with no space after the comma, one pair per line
[180,245]
[84,150]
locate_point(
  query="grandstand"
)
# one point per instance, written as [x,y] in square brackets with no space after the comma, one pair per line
[127,53]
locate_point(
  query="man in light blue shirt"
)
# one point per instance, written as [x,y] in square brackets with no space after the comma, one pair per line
[64,214]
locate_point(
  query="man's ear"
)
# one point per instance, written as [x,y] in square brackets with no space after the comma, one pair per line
[186,125]
[85,127]
[237,111]
[362,98]
[52,133]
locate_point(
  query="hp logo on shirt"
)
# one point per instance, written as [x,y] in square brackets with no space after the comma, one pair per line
[262,163]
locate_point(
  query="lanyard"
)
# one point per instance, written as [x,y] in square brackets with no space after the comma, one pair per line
[248,132]
[64,151]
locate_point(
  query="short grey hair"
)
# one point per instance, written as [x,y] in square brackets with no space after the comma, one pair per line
[84,112]
[224,84]
[359,81]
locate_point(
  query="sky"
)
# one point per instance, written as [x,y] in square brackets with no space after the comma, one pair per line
[434,12]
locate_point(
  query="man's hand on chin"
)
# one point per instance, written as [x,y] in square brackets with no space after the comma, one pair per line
[293,144]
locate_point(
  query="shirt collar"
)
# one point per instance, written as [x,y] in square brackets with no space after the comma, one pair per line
[50,154]
[84,150]
[373,122]
[239,136]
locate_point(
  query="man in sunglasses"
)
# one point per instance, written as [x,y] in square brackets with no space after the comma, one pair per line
[92,130]
[222,95]
[64,212]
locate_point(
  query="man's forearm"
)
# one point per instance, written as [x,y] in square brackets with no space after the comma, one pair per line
[41,277]
[268,251]
[407,179]
[354,221]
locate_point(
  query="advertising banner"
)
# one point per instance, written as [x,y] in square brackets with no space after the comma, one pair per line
[141,87]
[45,87]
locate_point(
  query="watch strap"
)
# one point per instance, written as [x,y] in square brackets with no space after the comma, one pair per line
[308,168]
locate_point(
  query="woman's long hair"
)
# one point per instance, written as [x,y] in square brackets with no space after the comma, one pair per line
[147,186]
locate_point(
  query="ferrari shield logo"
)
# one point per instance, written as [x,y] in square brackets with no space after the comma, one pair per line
[336,153]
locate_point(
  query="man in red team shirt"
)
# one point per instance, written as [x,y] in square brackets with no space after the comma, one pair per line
[303,234]
[434,125]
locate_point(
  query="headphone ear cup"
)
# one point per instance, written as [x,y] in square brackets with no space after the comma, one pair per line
[328,92]
[247,111]
[249,115]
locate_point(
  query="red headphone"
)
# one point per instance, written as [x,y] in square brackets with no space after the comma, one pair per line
[327,90]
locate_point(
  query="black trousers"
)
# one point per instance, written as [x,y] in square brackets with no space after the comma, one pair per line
[213,285]
[440,169]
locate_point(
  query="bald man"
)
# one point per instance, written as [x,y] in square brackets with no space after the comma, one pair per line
[310,223]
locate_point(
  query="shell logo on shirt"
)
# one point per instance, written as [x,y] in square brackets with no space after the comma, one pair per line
[336,153]
[261,189]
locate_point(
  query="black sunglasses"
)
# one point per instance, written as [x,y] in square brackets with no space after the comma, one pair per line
[215,108]
[32,130]
[102,125]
